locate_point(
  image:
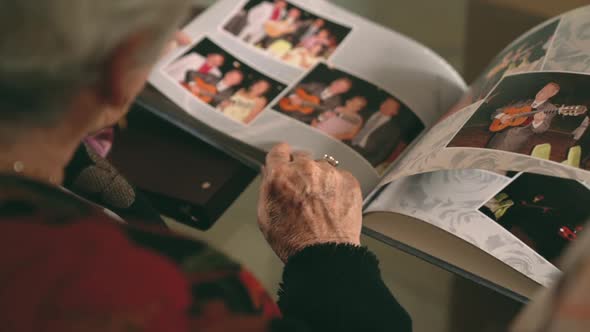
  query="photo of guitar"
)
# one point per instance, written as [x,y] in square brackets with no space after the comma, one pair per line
[307,105]
[352,110]
[216,77]
[542,115]
[286,32]
[518,116]
[202,90]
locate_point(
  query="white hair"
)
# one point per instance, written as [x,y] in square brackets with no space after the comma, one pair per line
[48,48]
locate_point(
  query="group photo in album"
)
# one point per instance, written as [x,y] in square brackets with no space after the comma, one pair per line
[546,213]
[286,32]
[216,77]
[543,115]
[368,119]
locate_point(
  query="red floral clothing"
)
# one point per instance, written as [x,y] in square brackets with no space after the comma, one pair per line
[67,267]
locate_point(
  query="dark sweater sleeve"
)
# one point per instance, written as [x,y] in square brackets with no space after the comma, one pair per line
[333,287]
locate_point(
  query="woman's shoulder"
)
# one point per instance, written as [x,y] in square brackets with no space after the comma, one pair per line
[137,257]
[20,196]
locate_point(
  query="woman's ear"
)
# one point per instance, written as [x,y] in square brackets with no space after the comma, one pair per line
[124,78]
[125,75]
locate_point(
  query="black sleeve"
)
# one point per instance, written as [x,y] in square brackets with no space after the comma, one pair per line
[333,287]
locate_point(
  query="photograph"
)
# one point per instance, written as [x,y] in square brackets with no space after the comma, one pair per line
[525,55]
[219,79]
[286,32]
[546,213]
[368,119]
[543,115]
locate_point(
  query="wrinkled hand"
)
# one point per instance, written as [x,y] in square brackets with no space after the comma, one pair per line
[303,203]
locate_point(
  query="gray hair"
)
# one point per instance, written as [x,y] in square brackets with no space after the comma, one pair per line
[51,48]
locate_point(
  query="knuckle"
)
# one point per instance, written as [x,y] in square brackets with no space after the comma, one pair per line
[281,169]
[327,168]
[279,173]
[350,178]
[309,163]
[278,149]
[345,174]
[308,166]
[280,183]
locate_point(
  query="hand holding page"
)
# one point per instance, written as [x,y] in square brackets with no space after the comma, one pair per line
[233,36]
[483,170]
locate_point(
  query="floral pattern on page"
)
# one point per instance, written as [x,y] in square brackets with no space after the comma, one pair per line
[571,48]
[450,201]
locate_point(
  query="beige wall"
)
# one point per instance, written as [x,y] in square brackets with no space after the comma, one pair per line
[437,24]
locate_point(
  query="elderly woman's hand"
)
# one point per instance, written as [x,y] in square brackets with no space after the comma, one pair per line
[304,203]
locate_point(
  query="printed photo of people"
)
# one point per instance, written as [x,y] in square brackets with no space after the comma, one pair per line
[219,79]
[370,120]
[546,213]
[287,32]
[525,55]
[543,114]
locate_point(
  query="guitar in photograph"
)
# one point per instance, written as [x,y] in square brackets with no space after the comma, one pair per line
[518,116]
[307,105]
[201,89]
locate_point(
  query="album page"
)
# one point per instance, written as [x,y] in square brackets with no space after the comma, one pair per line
[525,220]
[311,74]
[527,112]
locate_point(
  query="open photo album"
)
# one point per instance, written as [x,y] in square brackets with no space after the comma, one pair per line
[488,181]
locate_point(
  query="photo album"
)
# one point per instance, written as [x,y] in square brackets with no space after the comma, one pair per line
[489,181]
